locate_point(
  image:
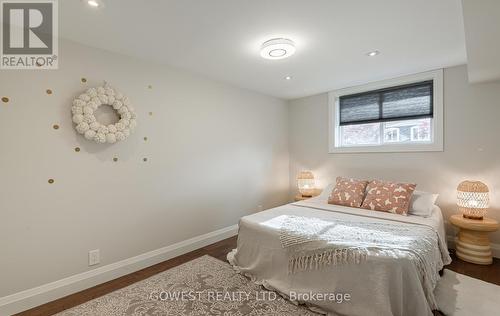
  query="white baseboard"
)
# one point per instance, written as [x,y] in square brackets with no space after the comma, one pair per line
[30,298]
[495,248]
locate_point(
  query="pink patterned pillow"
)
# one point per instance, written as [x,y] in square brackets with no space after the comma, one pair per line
[389,197]
[348,192]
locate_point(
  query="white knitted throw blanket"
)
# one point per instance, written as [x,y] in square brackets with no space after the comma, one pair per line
[313,243]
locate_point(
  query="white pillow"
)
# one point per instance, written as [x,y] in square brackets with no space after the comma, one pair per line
[325,194]
[422,203]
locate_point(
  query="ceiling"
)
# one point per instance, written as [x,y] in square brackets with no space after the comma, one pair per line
[221,39]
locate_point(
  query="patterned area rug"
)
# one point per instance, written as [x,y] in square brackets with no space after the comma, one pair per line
[203,286]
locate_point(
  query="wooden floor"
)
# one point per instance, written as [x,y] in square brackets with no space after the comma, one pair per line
[219,250]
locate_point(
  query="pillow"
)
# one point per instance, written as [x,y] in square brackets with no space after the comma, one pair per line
[422,203]
[348,192]
[389,197]
[325,193]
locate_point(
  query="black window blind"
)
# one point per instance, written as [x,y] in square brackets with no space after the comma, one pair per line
[411,101]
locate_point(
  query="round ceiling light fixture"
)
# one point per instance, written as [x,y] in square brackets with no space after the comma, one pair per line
[277,48]
[95,4]
[373,53]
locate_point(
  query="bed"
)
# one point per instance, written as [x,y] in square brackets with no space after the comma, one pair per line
[381,284]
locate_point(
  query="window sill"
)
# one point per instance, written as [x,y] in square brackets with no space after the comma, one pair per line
[396,148]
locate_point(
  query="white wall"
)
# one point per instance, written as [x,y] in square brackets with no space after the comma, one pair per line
[471,146]
[215,153]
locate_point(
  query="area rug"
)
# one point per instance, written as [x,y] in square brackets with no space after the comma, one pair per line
[208,286]
[203,286]
[460,295]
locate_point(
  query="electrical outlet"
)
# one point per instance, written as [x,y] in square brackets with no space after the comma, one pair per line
[94,257]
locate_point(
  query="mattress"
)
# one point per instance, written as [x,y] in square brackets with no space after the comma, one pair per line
[381,285]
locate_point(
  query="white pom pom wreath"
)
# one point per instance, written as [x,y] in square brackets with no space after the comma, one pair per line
[78,102]
[89,134]
[103,130]
[76,109]
[112,129]
[109,91]
[117,104]
[119,126]
[111,138]
[125,122]
[91,104]
[92,92]
[100,138]
[120,136]
[95,126]
[77,118]
[82,127]
[123,110]
[89,118]
[103,98]
[133,124]
[84,106]
[88,110]
[96,100]
[84,97]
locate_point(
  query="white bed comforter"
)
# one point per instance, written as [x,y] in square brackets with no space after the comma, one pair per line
[381,285]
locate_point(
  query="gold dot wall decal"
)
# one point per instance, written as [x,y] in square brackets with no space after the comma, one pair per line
[51,181]
[77,149]
[115,159]
[84,80]
[150,113]
[49,91]
[145,139]
[5,99]
[144,159]
[55,126]
[150,87]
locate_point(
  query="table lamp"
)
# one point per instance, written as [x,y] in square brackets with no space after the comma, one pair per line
[305,183]
[473,199]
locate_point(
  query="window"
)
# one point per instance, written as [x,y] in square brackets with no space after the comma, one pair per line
[391,134]
[420,133]
[404,114]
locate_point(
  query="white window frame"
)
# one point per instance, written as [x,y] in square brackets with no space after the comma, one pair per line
[436,143]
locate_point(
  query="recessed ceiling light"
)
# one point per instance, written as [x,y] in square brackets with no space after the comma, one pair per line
[277,48]
[288,77]
[373,53]
[93,3]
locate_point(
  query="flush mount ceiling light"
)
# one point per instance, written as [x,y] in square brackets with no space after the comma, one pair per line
[373,53]
[288,77]
[96,4]
[277,48]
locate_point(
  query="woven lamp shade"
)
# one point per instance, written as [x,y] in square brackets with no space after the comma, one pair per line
[305,183]
[473,199]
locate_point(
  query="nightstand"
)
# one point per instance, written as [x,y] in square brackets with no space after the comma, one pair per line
[299,197]
[472,243]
